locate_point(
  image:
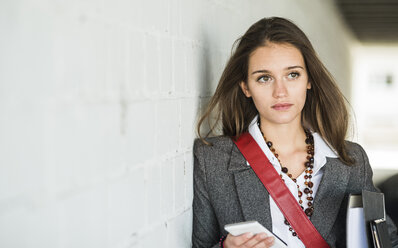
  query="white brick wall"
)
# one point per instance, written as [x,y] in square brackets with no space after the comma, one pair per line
[98,103]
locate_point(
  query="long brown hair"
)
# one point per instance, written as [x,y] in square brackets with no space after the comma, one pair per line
[324,111]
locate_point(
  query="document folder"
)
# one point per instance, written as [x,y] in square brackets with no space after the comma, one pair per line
[366,221]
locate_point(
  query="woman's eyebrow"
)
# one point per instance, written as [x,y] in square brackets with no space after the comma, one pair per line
[294,67]
[287,68]
[260,71]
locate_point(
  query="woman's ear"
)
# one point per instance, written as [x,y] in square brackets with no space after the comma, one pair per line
[308,85]
[245,89]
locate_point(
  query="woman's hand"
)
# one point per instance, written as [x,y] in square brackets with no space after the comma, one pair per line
[248,240]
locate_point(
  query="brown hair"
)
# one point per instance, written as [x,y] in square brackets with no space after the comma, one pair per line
[324,111]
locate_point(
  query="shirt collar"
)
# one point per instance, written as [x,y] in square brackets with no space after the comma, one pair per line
[322,149]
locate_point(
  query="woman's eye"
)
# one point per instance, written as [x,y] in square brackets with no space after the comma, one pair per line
[264,78]
[294,75]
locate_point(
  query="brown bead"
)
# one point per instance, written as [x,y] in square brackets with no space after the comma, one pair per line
[305,176]
[310,184]
[287,222]
[300,194]
[272,149]
[289,175]
[307,164]
[276,155]
[309,176]
[269,144]
[309,211]
[311,191]
[300,201]
[294,180]
[310,198]
[309,204]
[294,234]
[306,190]
[290,229]
[284,169]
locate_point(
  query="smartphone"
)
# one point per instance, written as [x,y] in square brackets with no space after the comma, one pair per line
[254,227]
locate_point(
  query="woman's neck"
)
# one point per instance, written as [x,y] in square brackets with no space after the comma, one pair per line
[286,138]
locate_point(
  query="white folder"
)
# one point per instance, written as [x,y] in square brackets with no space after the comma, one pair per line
[356,227]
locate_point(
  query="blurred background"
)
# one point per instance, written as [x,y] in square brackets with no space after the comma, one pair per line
[99,100]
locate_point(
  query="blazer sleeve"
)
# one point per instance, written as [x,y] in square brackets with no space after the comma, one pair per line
[368,185]
[205,228]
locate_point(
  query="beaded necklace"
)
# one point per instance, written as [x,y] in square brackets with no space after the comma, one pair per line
[309,165]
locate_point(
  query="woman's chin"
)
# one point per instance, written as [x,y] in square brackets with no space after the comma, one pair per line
[284,119]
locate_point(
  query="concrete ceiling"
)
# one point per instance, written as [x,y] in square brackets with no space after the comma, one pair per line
[371,20]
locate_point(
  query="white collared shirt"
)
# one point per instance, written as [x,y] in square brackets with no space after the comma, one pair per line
[322,150]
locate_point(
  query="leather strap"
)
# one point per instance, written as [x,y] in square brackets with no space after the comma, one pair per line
[279,192]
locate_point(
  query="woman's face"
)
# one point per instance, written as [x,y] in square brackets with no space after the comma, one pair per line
[277,82]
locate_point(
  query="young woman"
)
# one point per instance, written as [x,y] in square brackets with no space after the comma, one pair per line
[275,88]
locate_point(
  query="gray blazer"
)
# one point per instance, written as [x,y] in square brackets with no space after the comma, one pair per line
[226,191]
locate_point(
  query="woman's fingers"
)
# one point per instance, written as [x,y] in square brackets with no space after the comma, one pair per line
[259,240]
[248,240]
[236,241]
[265,243]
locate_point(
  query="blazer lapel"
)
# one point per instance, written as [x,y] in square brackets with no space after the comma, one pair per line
[330,195]
[253,197]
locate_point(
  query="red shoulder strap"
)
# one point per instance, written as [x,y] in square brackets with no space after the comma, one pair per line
[279,192]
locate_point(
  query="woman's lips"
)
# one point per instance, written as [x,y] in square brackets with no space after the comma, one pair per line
[282,106]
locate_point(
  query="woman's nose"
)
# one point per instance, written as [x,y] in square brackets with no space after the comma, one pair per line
[279,90]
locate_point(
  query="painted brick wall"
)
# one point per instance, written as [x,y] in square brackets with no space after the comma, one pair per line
[98,101]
